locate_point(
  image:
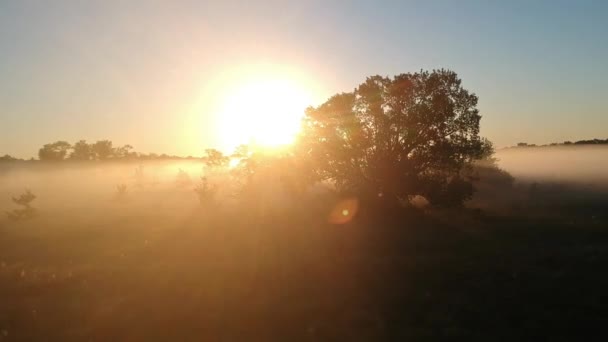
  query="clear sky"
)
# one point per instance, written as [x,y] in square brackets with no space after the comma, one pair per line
[149,72]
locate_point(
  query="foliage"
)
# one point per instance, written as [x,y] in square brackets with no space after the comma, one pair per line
[7,158]
[567,143]
[82,151]
[206,192]
[407,135]
[214,159]
[103,149]
[487,151]
[121,192]
[139,176]
[54,152]
[27,211]
[123,151]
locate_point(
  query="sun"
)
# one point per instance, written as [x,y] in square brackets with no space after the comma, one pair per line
[263,112]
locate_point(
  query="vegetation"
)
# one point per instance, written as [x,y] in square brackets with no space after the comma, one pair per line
[568,143]
[101,150]
[26,211]
[206,192]
[121,192]
[160,268]
[399,137]
[388,219]
[7,158]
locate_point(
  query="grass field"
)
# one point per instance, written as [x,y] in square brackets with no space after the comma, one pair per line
[158,266]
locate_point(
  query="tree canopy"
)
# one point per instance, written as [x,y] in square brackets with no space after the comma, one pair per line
[55,151]
[397,137]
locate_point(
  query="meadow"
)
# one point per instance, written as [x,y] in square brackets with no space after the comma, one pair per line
[523,260]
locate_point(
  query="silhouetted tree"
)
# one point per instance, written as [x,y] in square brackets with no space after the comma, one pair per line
[121,192]
[27,211]
[591,142]
[215,158]
[7,157]
[487,151]
[55,151]
[82,151]
[205,192]
[103,149]
[123,152]
[397,137]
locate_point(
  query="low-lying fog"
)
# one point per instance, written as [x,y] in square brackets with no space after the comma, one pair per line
[80,185]
[572,164]
[73,186]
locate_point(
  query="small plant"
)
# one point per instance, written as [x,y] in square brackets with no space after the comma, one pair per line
[27,211]
[205,192]
[121,192]
[139,177]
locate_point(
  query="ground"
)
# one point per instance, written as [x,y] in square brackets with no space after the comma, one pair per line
[139,274]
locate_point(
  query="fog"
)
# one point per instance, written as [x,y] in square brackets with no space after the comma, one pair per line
[252,264]
[90,189]
[570,164]
[84,188]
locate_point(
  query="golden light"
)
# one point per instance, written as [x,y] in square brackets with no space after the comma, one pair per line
[344,211]
[264,112]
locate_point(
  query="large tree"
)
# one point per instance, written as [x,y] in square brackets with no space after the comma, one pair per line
[397,137]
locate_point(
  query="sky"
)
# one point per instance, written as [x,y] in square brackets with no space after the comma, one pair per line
[150,73]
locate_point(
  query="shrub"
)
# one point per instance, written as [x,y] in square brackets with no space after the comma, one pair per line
[205,192]
[139,177]
[121,192]
[27,211]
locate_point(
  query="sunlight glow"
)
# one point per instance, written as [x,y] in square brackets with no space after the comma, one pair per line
[264,112]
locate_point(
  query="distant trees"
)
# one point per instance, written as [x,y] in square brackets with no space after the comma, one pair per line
[26,210]
[397,137]
[55,151]
[568,142]
[6,158]
[123,151]
[82,151]
[592,142]
[103,150]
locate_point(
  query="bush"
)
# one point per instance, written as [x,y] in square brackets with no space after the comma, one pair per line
[206,192]
[121,192]
[27,211]
[139,177]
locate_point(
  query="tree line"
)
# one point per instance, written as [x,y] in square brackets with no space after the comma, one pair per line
[100,150]
[567,143]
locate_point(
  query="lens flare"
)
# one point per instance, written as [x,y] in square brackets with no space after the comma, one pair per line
[344,211]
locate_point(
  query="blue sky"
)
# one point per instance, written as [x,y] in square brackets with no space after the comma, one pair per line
[140,72]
